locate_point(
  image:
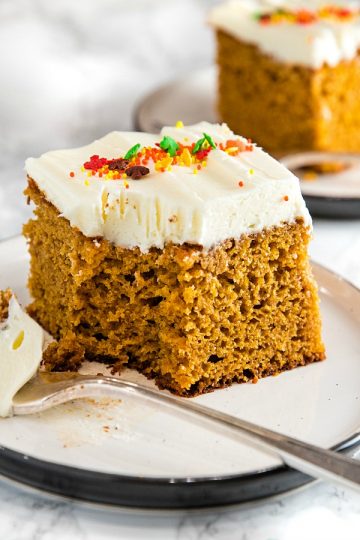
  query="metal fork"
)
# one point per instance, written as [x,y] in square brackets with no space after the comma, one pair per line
[47,390]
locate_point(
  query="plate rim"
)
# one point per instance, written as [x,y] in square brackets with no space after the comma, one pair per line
[50,476]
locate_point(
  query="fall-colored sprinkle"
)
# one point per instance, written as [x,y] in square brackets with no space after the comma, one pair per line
[179,124]
[286,198]
[72,174]
[328,12]
[137,172]
[163,156]
[241,183]
[118,164]
[132,152]
[169,145]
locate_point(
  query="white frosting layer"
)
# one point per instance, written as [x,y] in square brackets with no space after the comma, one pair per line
[21,347]
[175,206]
[311,45]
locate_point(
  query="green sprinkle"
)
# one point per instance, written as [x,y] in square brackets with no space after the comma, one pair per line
[198,145]
[132,152]
[169,145]
[209,140]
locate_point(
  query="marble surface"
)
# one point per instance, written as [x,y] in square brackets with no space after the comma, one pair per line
[73,71]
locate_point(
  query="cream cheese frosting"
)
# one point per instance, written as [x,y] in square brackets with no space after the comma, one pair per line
[326,41]
[231,196]
[21,348]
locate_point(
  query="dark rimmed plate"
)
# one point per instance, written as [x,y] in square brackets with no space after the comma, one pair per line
[134,454]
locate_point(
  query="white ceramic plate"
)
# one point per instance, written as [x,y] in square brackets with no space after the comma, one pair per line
[137,454]
[192,99]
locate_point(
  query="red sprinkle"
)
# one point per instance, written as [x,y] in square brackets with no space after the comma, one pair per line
[241,183]
[203,154]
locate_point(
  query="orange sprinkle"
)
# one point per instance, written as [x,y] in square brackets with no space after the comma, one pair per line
[72,174]
[286,198]
[241,183]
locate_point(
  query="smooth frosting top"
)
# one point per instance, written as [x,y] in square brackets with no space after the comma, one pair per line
[310,33]
[199,198]
[21,347]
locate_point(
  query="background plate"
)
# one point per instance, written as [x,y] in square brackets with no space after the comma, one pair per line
[134,453]
[192,99]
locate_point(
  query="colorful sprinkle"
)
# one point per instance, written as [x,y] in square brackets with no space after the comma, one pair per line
[132,152]
[163,155]
[137,172]
[169,145]
[305,16]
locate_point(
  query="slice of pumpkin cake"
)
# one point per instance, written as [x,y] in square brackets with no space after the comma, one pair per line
[183,255]
[289,72]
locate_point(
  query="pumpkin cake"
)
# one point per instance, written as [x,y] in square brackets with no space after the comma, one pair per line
[182,255]
[289,75]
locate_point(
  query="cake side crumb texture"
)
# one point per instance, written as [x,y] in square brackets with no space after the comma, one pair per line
[285,107]
[193,319]
[5,296]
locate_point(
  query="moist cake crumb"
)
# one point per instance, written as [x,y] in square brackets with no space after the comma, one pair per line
[5,296]
[64,355]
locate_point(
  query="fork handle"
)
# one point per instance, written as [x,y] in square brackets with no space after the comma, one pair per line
[307,458]
[312,460]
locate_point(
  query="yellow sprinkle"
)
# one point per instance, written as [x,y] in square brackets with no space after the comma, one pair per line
[163,163]
[87,183]
[251,171]
[179,124]
[186,157]
[203,163]
[231,150]
[186,139]
[126,184]
[124,175]
[89,173]
[83,168]
[195,171]
[169,168]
